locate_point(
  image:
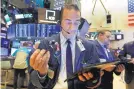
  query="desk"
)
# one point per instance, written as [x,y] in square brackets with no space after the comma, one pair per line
[7,59]
[6,65]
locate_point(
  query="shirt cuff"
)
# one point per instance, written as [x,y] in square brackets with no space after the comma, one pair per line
[41,78]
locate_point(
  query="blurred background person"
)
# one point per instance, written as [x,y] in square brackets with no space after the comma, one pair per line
[128,52]
[105,55]
[20,65]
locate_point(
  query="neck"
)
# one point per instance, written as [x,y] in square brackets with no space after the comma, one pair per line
[68,36]
[100,40]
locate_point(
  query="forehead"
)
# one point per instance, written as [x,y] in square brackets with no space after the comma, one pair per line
[71,13]
[107,33]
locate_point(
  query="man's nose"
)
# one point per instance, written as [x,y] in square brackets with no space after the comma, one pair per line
[71,26]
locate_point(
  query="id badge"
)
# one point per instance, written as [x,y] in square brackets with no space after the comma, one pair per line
[81,46]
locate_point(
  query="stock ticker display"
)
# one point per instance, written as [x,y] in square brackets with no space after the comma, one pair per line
[32,30]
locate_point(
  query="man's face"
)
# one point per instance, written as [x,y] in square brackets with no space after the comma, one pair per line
[106,37]
[70,22]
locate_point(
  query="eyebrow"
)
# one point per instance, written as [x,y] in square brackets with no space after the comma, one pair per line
[70,19]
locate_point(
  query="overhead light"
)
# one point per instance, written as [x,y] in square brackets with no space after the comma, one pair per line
[19,16]
[9,5]
[45,21]
[22,16]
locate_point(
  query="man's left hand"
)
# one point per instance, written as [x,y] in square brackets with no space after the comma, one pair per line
[87,76]
[132,61]
[120,68]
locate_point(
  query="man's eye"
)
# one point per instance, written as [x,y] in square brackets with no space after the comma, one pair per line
[77,23]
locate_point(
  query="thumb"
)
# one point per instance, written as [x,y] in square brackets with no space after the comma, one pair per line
[108,66]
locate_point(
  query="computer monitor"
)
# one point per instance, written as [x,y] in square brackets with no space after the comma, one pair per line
[119,36]
[3,27]
[5,42]
[11,31]
[3,35]
[30,43]
[13,50]
[29,49]
[25,30]
[4,51]
[15,44]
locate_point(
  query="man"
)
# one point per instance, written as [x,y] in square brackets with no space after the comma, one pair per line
[20,65]
[128,51]
[52,65]
[105,55]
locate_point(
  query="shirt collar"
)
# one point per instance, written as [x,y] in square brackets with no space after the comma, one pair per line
[100,43]
[63,39]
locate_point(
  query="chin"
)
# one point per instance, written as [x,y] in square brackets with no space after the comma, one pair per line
[69,36]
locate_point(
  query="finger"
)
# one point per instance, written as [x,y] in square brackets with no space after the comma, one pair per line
[41,62]
[90,74]
[122,67]
[44,61]
[132,61]
[38,58]
[81,78]
[86,76]
[33,56]
[41,54]
[37,64]
[46,57]
[119,66]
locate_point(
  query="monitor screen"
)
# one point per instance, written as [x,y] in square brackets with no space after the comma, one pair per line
[5,42]
[15,44]
[3,28]
[3,35]
[53,29]
[119,36]
[4,51]
[7,19]
[13,50]
[25,30]
[41,30]
[30,43]
[29,49]
[11,31]
[31,30]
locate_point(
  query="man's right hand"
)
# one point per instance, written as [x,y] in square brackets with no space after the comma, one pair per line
[132,60]
[108,68]
[39,61]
